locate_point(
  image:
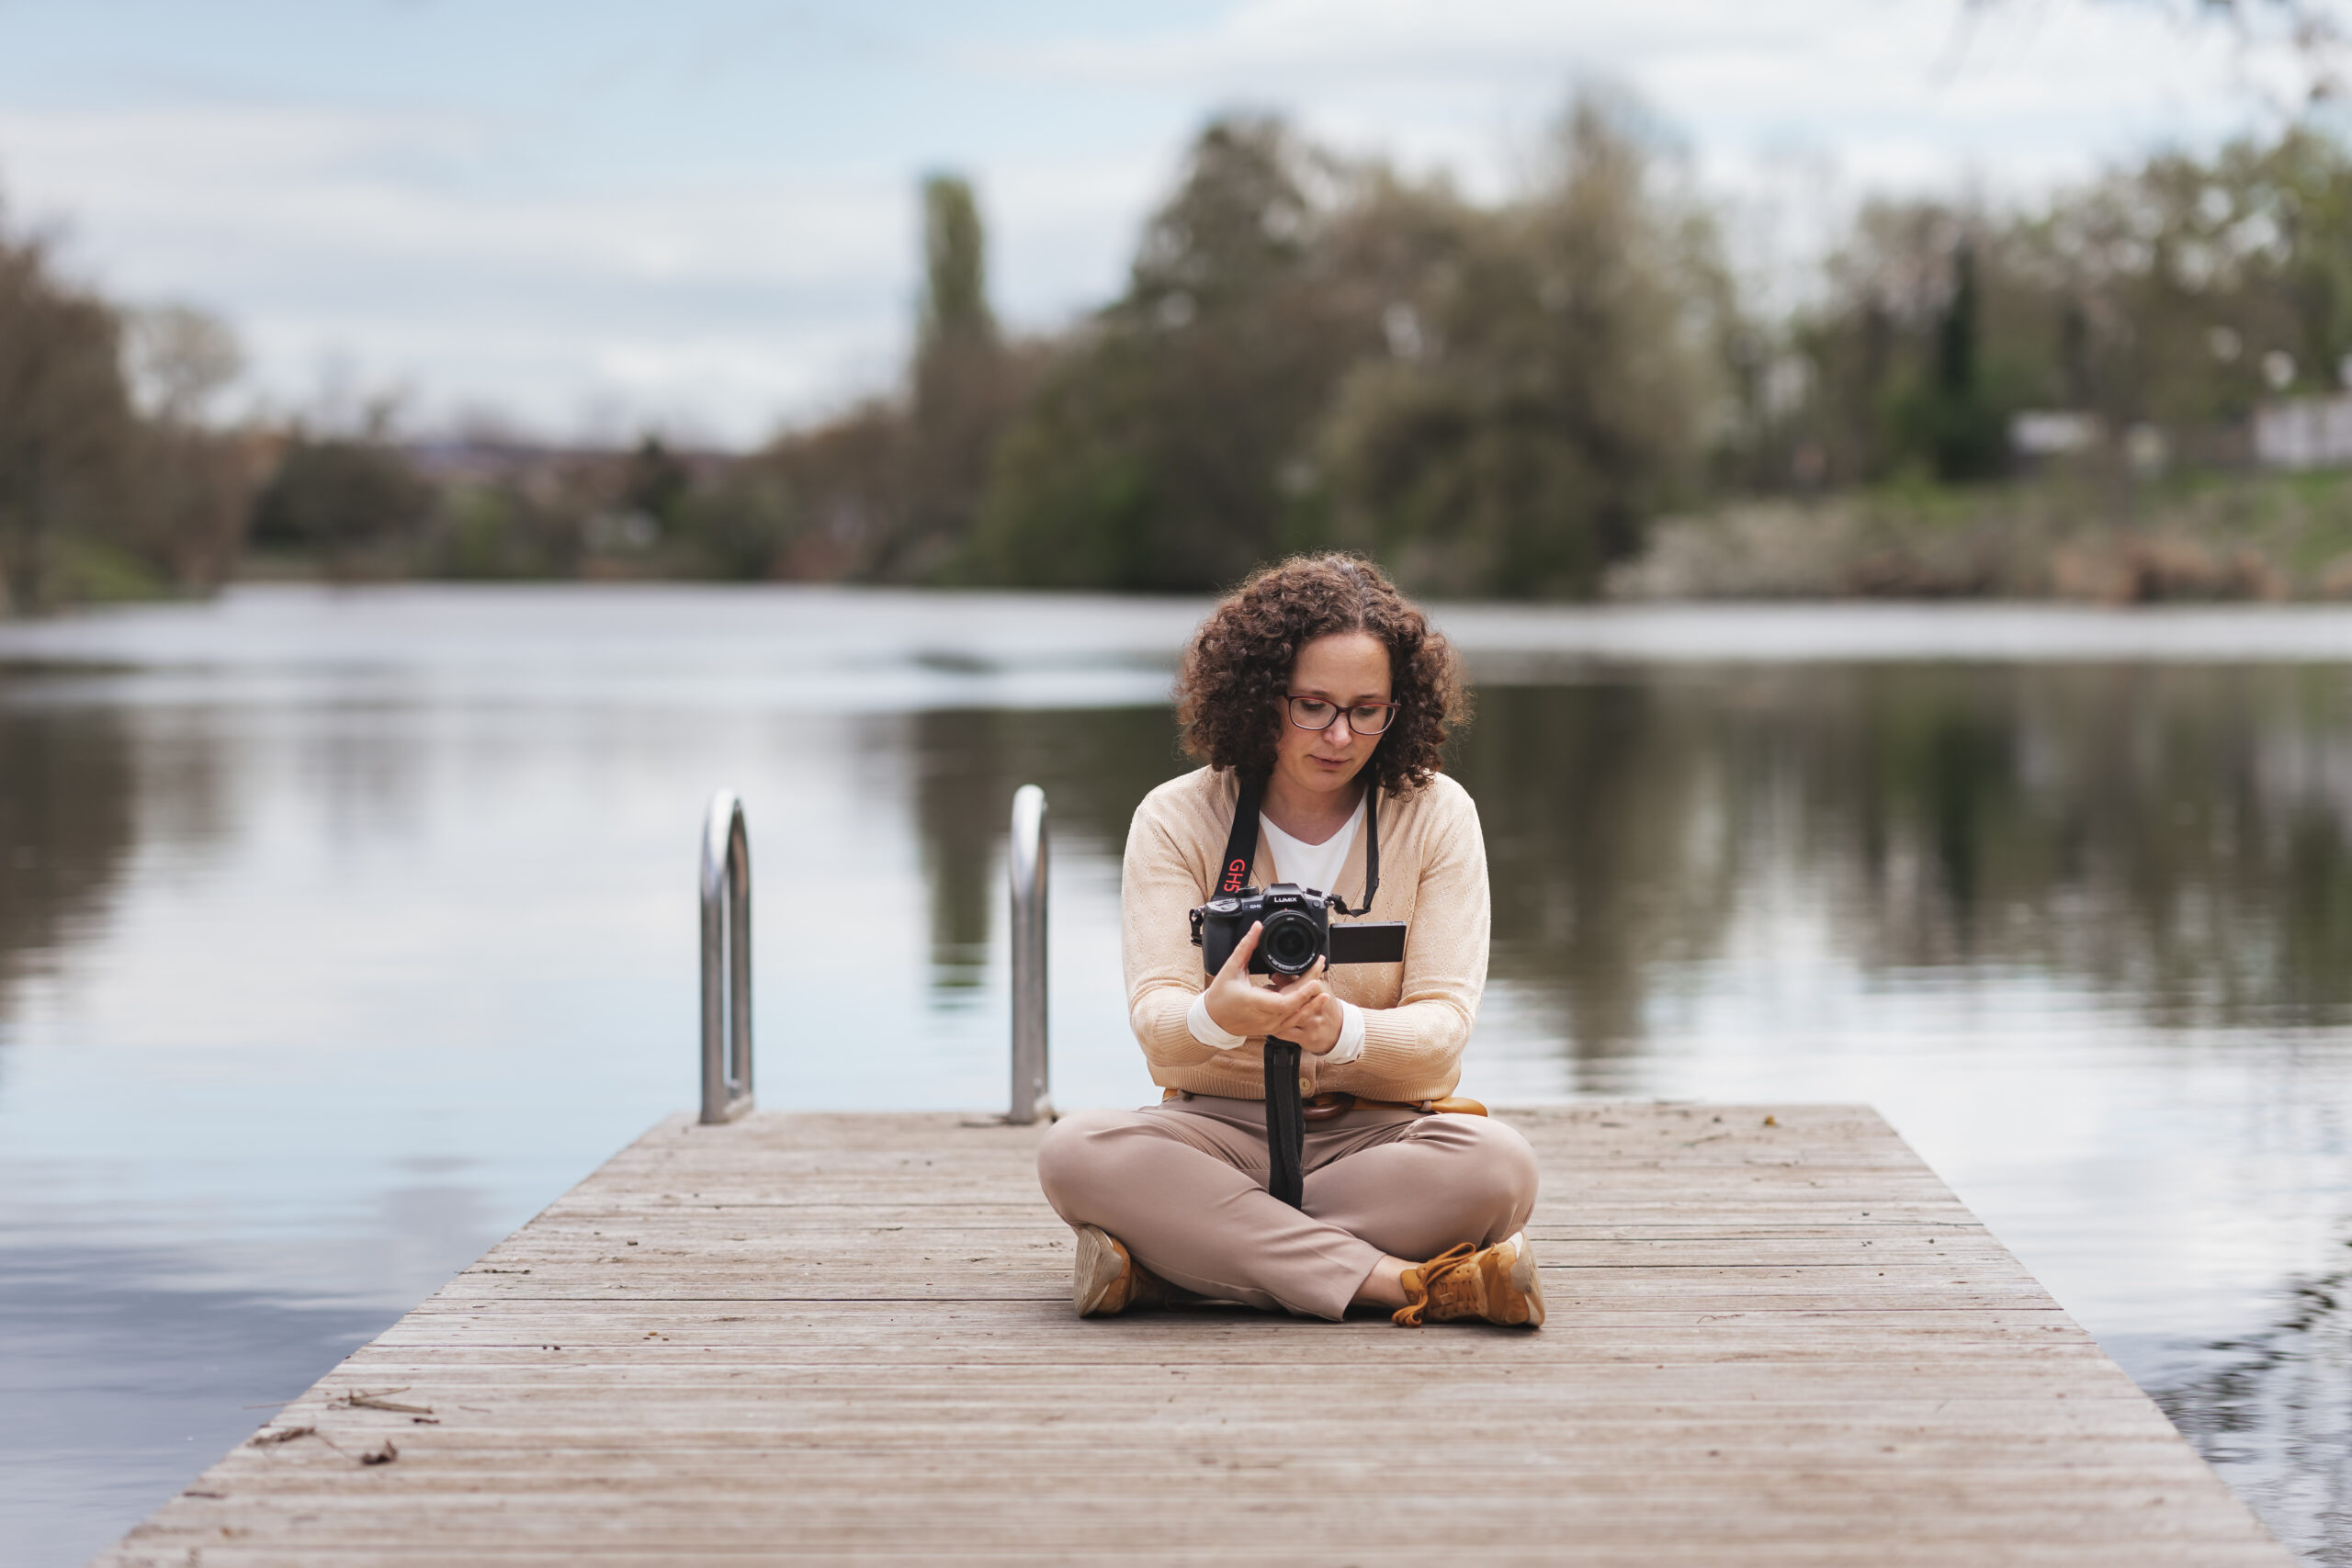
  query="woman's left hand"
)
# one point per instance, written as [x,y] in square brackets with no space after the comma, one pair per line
[1314,1027]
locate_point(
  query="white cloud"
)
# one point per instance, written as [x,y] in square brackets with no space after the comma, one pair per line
[746,250]
[350,235]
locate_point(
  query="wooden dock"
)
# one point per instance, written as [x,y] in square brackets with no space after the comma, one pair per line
[1775,1338]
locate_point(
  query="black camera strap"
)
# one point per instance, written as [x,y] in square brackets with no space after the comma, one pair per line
[1286,1111]
[1242,844]
[1371,852]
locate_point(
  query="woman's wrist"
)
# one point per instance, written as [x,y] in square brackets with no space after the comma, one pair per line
[1206,1029]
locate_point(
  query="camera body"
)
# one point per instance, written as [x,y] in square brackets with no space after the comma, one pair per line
[1298,931]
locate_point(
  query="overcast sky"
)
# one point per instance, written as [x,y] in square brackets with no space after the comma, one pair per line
[702,214]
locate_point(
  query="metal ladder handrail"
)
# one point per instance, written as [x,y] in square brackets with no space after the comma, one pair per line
[1025,852]
[726,960]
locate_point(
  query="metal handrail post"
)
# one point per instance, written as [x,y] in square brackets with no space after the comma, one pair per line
[1027,855]
[726,960]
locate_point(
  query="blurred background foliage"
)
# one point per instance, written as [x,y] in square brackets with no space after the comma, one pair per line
[1562,394]
[112,482]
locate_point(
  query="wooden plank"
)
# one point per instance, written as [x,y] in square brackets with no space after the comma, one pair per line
[833,1338]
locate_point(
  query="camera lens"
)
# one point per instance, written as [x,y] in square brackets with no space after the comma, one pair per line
[1291,944]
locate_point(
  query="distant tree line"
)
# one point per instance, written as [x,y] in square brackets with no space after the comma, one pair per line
[111,479]
[1497,399]
[2170,297]
[1309,351]
[1494,398]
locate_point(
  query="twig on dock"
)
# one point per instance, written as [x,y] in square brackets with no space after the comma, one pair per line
[361,1400]
[282,1435]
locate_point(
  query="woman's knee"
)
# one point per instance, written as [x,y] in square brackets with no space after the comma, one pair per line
[1081,1155]
[1512,1163]
[1498,1167]
[1066,1151]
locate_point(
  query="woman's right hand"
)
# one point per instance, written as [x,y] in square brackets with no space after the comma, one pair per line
[1239,1008]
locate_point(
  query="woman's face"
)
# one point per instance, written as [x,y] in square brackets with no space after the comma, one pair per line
[1345,669]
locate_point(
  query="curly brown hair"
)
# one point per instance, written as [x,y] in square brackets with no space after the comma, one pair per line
[1237,667]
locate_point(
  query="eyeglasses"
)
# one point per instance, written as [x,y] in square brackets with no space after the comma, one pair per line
[1364,718]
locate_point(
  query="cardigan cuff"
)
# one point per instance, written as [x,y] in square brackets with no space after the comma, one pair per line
[1350,1045]
[1204,1028]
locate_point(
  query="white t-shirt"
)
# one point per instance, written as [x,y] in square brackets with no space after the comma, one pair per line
[1313,866]
[1307,866]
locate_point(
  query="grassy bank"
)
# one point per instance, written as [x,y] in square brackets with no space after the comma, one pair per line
[2201,537]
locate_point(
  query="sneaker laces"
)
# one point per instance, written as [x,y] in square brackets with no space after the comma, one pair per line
[1420,1284]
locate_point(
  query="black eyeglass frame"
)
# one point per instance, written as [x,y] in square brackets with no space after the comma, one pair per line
[1290,711]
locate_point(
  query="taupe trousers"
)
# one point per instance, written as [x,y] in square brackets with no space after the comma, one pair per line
[1182,1184]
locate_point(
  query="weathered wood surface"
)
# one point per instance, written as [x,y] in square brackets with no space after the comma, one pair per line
[848,1338]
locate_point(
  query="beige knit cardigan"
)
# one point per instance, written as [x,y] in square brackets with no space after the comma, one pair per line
[1416,1014]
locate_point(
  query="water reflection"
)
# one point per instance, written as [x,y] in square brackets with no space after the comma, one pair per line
[120,1383]
[1094,764]
[82,790]
[1609,843]
[2273,1410]
[66,823]
[2175,838]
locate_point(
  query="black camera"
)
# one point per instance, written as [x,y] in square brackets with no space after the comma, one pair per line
[1298,931]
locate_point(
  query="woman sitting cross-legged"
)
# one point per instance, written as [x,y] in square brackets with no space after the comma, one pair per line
[1320,692]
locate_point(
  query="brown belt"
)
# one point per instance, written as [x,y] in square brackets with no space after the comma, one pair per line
[1323,1107]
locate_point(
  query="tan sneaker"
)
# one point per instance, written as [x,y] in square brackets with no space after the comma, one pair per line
[1108,1280]
[1496,1284]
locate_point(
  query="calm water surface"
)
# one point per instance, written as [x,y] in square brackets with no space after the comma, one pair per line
[340,931]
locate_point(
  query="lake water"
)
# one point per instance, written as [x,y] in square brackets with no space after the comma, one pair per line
[340,931]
